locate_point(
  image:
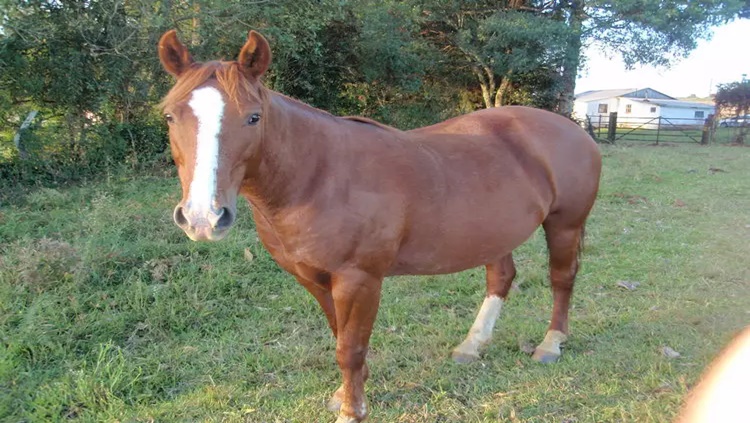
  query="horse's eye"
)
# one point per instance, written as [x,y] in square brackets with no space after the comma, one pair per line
[168,118]
[253,119]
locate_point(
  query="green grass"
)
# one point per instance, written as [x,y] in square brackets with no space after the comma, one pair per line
[6,145]
[109,313]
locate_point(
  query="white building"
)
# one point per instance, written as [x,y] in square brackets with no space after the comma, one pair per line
[644,107]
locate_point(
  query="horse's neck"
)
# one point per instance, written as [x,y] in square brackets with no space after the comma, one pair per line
[295,147]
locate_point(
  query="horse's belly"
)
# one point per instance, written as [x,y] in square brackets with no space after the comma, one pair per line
[460,248]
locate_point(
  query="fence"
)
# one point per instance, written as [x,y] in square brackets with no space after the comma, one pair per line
[651,129]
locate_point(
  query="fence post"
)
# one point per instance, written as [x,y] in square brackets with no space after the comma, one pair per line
[612,128]
[658,130]
[590,127]
[17,138]
[707,137]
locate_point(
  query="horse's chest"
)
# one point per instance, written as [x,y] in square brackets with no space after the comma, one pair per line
[295,248]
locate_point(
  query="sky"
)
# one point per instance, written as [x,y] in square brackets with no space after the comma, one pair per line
[723,58]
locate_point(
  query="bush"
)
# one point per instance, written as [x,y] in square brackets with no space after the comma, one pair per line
[53,159]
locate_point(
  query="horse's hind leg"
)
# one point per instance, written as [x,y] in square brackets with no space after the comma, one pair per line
[563,244]
[499,279]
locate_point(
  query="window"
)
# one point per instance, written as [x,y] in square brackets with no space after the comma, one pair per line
[653,110]
[699,114]
[602,108]
[628,108]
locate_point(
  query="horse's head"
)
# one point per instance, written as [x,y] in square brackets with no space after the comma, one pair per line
[215,116]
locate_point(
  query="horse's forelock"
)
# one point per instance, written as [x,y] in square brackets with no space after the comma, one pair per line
[228,75]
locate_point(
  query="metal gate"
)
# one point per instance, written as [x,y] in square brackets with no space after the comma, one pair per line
[649,129]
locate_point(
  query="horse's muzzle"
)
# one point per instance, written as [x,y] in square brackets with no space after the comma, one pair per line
[204,225]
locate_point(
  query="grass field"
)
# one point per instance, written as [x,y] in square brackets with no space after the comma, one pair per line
[109,313]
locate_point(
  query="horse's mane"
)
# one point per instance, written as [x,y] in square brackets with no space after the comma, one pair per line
[227,75]
[367,121]
[321,112]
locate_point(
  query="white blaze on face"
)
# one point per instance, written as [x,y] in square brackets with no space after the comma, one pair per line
[208,107]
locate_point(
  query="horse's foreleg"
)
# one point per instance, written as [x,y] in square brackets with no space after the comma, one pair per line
[356,296]
[334,404]
[325,299]
[563,266]
[499,280]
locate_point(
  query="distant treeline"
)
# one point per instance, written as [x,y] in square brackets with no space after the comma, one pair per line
[90,68]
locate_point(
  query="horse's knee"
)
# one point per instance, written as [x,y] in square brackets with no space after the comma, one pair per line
[350,357]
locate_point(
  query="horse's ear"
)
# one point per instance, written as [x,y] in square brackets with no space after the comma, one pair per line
[174,56]
[255,56]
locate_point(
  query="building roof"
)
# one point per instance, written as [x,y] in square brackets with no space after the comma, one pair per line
[601,94]
[622,92]
[675,103]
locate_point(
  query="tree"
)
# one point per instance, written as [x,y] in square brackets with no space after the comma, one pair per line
[80,62]
[653,32]
[496,42]
[91,70]
[735,96]
[511,44]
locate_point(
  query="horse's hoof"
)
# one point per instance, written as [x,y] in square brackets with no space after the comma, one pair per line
[461,357]
[549,350]
[545,357]
[334,404]
[347,419]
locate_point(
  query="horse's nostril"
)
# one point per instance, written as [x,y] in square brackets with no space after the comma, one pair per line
[225,219]
[179,217]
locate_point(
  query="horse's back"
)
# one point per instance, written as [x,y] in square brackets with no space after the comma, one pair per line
[540,138]
[527,124]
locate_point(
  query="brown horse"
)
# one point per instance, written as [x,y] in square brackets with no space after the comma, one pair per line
[340,203]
